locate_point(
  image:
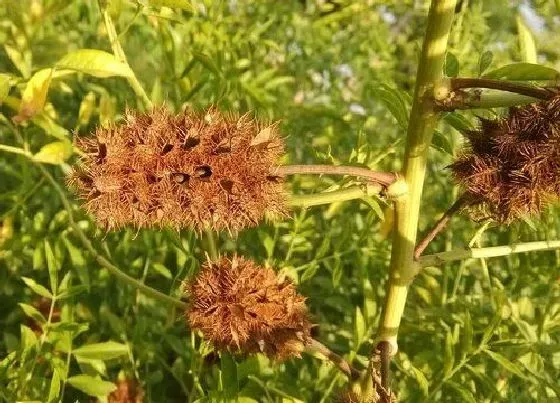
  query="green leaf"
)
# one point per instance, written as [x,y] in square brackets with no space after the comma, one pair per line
[524,71]
[53,266]
[359,328]
[92,386]
[37,288]
[207,62]
[182,4]
[448,354]
[465,394]
[72,291]
[526,41]
[94,62]
[485,62]
[441,143]
[395,101]
[28,339]
[458,122]
[78,262]
[35,95]
[451,66]
[54,390]
[161,269]
[467,335]
[54,153]
[506,364]
[33,313]
[6,83]
[230,383]
[102,351]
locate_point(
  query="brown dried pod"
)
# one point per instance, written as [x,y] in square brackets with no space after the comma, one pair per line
[128,391]
[246,308]
[512,165]
[199,170]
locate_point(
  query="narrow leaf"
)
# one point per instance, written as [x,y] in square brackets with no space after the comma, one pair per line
[37,288]
[526,41]
[485,62]
[94,62]
[506,364]
[35,95]
[230,383]
[52,266]
[102,351]
[33,313]
[54,390]
[92,386]
[524,71]
[54,153]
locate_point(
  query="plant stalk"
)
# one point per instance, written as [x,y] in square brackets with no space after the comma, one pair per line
[438,259]
[502,85]
[383,178]
[349,193]
[119,54]
[423,119]
[114,270]
[440,224]
[478,99]
[314,347]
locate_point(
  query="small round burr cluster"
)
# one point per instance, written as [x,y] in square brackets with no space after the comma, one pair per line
[512,165]
[246,308]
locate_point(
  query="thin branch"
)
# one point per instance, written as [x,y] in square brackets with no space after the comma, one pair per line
[440,225]
[383,178]
[114,270]
[483,99]
[314,347]
[119,54]
[502,85]
[349,193]
[441,258]
[384,349]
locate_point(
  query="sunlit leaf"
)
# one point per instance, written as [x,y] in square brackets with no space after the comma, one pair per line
[37,288]
[54,153]
[33,312]
[92,386]
[102,351]
[35,94]
[524,71]
[94,62]
[526,41]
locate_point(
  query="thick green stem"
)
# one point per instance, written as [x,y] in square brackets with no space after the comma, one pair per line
[119,53]
[438,259]
[350,193]
[423,119]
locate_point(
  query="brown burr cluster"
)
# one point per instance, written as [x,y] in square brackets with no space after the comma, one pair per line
[198,170]
[242,307]
[512,165]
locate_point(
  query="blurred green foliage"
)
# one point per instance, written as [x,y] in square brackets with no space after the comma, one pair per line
[338,75]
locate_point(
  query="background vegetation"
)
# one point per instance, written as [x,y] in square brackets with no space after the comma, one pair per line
[338,75]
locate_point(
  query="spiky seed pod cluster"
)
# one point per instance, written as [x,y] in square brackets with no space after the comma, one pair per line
[196,170]
[242,307]
[512,165]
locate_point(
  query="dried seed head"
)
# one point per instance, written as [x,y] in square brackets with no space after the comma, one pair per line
[201,170]
[128,391]
[246,308]
[512,165]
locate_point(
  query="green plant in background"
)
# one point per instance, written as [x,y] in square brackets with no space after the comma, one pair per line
[338,76]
